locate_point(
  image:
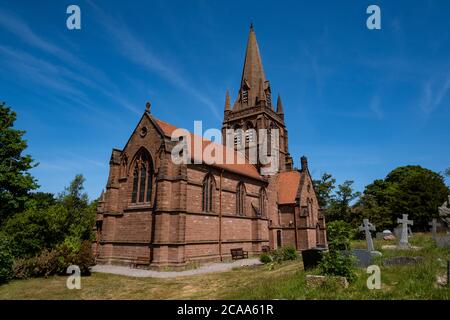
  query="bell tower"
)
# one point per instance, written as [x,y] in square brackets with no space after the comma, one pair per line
[253,108]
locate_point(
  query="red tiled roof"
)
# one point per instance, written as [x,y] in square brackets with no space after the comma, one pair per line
[288,183]
[240,166]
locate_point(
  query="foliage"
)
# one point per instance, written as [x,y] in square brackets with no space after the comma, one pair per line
[447,172]
[37,229]
[6,258]
[54,262]
[284,254]
[411,190]
[70,220]
[339,235]
[337,263]
[265,258]
[324,188]
[15,180]
[40,200]
[289,253]
[339,208]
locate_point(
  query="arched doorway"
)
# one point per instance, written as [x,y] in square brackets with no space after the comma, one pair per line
[279,244]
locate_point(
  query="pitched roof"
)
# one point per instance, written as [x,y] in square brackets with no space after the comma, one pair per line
[240,164]
[288,183]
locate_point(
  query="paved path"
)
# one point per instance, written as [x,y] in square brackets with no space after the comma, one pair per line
[207,268]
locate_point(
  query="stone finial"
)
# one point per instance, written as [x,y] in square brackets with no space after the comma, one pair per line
[147,107]
[279,105]
[304,163]
[227,101]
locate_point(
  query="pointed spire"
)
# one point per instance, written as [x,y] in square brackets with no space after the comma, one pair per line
[279,106]
[252,74]
[227,101]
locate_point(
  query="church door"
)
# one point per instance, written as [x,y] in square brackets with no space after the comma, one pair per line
[278,238]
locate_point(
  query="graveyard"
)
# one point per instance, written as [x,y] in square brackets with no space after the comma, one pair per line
[399,280]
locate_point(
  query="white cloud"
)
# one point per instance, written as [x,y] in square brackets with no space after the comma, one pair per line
[140,54]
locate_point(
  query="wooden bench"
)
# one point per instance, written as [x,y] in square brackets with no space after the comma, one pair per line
[141,261]
[238,253]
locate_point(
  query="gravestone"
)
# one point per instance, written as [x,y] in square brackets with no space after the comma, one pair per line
[363,257]
[403,243]
[442,241]
[385,235]
[312,257]
[434,224]
[367,227]
[402,261]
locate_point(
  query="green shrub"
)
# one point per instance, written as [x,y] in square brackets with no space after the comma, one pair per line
[54,262]
[337,263]
[6,258]
[277,256]
[284,254]
[339,234]
[289,253]
[84,258]
[265,258]
[47,222]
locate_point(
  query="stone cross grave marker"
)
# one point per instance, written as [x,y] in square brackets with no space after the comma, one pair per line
[367,227]
[404,234]
[434,224]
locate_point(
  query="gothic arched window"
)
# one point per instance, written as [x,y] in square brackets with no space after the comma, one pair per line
[263,202]
[208,194]
[142,178]
[240,199]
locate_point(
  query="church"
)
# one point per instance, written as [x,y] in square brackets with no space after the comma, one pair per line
[160,214]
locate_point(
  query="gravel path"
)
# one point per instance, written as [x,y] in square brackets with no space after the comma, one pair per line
[207,268]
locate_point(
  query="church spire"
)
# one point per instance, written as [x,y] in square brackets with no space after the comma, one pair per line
[253,79]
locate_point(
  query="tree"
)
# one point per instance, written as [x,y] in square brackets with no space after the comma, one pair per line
[69,220]
[37,229]
[40,200]
[6,258]
[411,190]
[73,195]
[324,188]
[447,172]
[15,180]
[340,204]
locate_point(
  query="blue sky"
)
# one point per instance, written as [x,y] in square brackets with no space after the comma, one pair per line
[357,102]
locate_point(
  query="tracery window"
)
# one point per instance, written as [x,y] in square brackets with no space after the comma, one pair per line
[240,199]
[208,194]
[142,178]
[263,202]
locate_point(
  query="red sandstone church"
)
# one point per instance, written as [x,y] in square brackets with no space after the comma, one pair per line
[160,214]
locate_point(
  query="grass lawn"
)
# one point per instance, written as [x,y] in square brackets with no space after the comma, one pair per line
[283,281]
